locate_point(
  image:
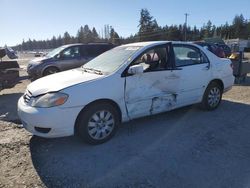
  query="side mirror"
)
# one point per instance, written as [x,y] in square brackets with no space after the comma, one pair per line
[135,69]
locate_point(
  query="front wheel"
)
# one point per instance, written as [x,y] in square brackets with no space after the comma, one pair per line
[212,96]
[98,123]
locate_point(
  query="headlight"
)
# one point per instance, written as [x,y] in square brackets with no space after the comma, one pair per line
[29,66]
[49,100]
[32,65]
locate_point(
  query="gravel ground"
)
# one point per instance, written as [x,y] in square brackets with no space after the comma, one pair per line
[182,148]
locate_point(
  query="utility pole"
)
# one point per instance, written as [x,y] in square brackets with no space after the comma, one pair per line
[185,31]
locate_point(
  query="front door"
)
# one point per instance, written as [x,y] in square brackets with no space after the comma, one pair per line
[154,90]
[71,58]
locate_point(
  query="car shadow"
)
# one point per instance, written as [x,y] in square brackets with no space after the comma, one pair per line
[182,148]
[8,107]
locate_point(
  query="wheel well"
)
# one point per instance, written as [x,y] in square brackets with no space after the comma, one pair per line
[113,103]
[218,81]
[50,67]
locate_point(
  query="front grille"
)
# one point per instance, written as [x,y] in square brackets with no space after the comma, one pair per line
[27,96]
[42,130]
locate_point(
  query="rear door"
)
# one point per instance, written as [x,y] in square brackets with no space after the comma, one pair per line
[193,67]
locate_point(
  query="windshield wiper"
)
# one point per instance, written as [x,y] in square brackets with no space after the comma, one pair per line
[92,70]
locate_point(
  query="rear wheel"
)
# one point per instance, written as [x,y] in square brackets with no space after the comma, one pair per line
[98,123]
[212,96]
[50,70]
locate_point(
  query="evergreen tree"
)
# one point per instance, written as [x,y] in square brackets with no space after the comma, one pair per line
[80,35]
[207,29]
[87,34]
[148,27]
[53,41]
[66,38]
[114,37]
[95,36]
[59,41]
[239,27]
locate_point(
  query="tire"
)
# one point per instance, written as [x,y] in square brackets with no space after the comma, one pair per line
[212,97]
[97,123]
[50,70]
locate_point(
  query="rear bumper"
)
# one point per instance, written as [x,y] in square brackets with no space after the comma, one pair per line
[228,83]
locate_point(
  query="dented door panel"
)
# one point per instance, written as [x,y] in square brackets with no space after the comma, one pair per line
[151,93]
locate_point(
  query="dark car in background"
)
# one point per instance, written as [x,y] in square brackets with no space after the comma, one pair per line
[216,49]
[227,50]
[64,58]
[9,71]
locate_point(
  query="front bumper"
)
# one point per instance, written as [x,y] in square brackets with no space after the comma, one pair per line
[33,75]
[34,71]
[59,121]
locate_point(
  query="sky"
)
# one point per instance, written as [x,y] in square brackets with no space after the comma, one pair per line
[42,19]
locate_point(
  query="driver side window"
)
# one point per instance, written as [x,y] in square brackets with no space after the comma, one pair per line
[153,60]
[72,52]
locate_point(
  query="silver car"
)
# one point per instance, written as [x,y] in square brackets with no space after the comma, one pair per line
[64,58]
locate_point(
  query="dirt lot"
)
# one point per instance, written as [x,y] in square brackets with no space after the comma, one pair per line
[183,148]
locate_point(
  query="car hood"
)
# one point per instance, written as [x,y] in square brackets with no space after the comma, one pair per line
[59,81]
[38,60]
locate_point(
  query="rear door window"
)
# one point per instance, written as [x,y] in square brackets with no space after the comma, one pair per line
[91,51]
[186,55]
[95,50]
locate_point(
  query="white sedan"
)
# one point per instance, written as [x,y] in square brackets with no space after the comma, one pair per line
[122,84]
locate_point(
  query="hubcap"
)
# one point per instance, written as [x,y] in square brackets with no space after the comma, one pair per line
[101,124]
[214,97]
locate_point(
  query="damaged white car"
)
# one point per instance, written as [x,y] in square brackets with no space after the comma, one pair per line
[125,83]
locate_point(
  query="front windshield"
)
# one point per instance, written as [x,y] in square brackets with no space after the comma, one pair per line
[111,60]
[55,51]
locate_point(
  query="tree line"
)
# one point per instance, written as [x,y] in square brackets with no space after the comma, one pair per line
[84,35]
[148,30]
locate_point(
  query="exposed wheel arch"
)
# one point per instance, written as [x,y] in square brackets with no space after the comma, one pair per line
[109,101]
[50,67]
[218,81]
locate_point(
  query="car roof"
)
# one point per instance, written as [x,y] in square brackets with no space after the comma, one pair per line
[143,44]
[87,44]
[154,43]
[202,43]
